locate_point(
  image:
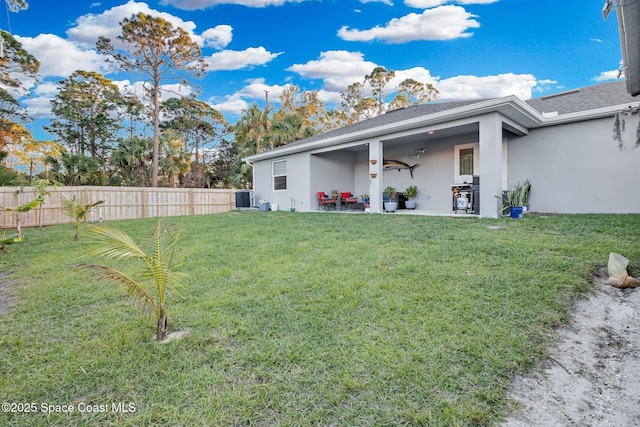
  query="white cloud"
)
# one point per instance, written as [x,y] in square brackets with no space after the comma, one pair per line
[236,60]
[477,1]
[387,2]
[89,27]
[107,24]
[46,89]
[607,75]
[419,74]
[204,4]
[217,37]
[39,107]
[60,57]
[425,4]
[475,87]
[232,104]
[441,23]
[337,68]
[257,89]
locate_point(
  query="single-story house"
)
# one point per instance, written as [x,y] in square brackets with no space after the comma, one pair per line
[564,144]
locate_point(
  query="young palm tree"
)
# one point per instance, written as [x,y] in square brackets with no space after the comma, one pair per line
[77,210]
[157,257]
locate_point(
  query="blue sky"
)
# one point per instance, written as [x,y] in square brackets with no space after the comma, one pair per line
[466,48]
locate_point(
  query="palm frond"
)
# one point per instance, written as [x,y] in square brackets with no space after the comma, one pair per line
[166,244]
[114,243]
[157,259]
[133,288]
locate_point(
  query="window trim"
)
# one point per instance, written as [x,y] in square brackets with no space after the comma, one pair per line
[274,176]
[457,178]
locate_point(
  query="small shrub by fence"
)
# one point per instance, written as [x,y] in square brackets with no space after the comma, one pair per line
[119,203]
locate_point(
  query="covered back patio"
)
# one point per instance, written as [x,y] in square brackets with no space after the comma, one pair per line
[439,159]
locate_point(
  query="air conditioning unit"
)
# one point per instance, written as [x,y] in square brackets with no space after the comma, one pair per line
[245,199]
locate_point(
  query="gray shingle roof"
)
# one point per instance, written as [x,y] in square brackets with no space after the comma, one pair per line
[394,116]
[584,99]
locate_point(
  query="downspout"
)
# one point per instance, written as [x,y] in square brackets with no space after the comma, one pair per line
[253,174]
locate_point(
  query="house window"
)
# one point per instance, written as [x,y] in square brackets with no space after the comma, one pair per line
[466,162]
[280,175]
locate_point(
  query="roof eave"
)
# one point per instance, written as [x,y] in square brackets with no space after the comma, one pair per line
[524,114]
[596,113]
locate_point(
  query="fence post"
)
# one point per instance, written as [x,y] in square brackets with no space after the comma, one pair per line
[144,203]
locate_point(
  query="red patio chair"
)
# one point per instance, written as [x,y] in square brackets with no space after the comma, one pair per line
[324,200]
[347,198]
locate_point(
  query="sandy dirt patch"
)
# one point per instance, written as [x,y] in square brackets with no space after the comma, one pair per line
[592,375]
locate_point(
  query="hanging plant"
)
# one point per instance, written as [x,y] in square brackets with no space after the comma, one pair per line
[619,125]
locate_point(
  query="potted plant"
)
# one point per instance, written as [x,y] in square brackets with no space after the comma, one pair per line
[526,194]
[410,192]
[515,199]
[392,204]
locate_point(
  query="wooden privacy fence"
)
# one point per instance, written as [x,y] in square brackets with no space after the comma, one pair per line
[119,203]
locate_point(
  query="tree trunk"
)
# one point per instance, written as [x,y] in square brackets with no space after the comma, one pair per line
[19,226]
[156,131]
[161,329]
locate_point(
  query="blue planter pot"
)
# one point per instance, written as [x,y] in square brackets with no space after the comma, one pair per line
[515,212]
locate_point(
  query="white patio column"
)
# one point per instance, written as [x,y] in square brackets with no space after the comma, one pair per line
[375,176]
[490,164]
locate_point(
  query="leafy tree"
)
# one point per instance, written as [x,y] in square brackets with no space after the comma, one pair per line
[16,64]
[252,129]
[35,153]
[354,106]
[16,67]
[154,47]
[243,176]
[222,166]
[334,119]
[131,161]
[290,128]
[413,92]
[77,210]
[10,108]
[41,188]
[8,176]
[85,108]
[378,80]
[28,153]
[306,104]
[158,257]
[174,162]
[198,124]
[16,5]
[12,134]
[131,110]
[76,169]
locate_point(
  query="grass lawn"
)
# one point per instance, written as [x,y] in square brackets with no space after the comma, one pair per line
[301,319]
